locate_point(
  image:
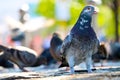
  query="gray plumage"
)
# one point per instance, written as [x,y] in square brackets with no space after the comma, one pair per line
[81,42]
[22,56]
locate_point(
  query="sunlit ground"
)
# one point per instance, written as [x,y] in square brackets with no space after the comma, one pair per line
[109,70]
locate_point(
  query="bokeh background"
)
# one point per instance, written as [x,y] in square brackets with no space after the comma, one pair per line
[43,17]
[31,23]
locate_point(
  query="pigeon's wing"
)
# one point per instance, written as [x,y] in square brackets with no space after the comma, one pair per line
[66,44]
[96,46]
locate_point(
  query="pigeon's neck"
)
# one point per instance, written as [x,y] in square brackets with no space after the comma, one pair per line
[84,20]
[83,27]
[83,24]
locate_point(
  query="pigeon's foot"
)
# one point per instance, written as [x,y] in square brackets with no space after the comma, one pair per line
[72,71]
[67,68]
[24,70]
[89,71]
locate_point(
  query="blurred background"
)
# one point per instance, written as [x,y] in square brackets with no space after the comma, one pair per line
[31,23]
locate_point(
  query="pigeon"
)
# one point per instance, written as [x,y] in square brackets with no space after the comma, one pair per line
[113,50]
[22,56]
[41,60]
[55,45]
[5,63]
[81,42]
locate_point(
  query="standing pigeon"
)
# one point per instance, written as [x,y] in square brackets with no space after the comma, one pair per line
[81,42]
[55,46]
[22,56]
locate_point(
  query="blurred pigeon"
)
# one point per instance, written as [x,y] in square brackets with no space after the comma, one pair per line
[22,56]
[113,50]
[41,60]
[101,54]
[55,46]
[81,42]
[49,59]
[5,63]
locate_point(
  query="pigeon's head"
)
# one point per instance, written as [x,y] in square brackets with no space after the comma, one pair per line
[89,10]
[55,34]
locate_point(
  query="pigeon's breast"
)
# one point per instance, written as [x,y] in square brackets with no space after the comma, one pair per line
[81,48]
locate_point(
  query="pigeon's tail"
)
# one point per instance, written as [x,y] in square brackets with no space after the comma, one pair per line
[3,48]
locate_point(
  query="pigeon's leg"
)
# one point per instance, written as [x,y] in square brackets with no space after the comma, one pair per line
[89,63]
[67,68]
[102,63]
[71,64]
[24,70]
[93,63]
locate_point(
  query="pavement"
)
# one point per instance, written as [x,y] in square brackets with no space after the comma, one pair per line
[110,71]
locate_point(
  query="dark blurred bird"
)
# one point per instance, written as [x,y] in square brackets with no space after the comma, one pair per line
[113,50]
[49,59]
[41,60]
[107,51]
[5,63]
[22,56]
[100,55]
[81,42]
[55,46]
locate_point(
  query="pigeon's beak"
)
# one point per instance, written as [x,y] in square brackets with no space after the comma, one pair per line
[96,10]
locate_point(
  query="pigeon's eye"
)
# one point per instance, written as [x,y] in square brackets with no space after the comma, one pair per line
[89,9]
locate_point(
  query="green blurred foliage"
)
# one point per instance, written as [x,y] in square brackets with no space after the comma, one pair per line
[106,2]
[119,19]
[106,21]
[105,16]
[75,9]
[46,8]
